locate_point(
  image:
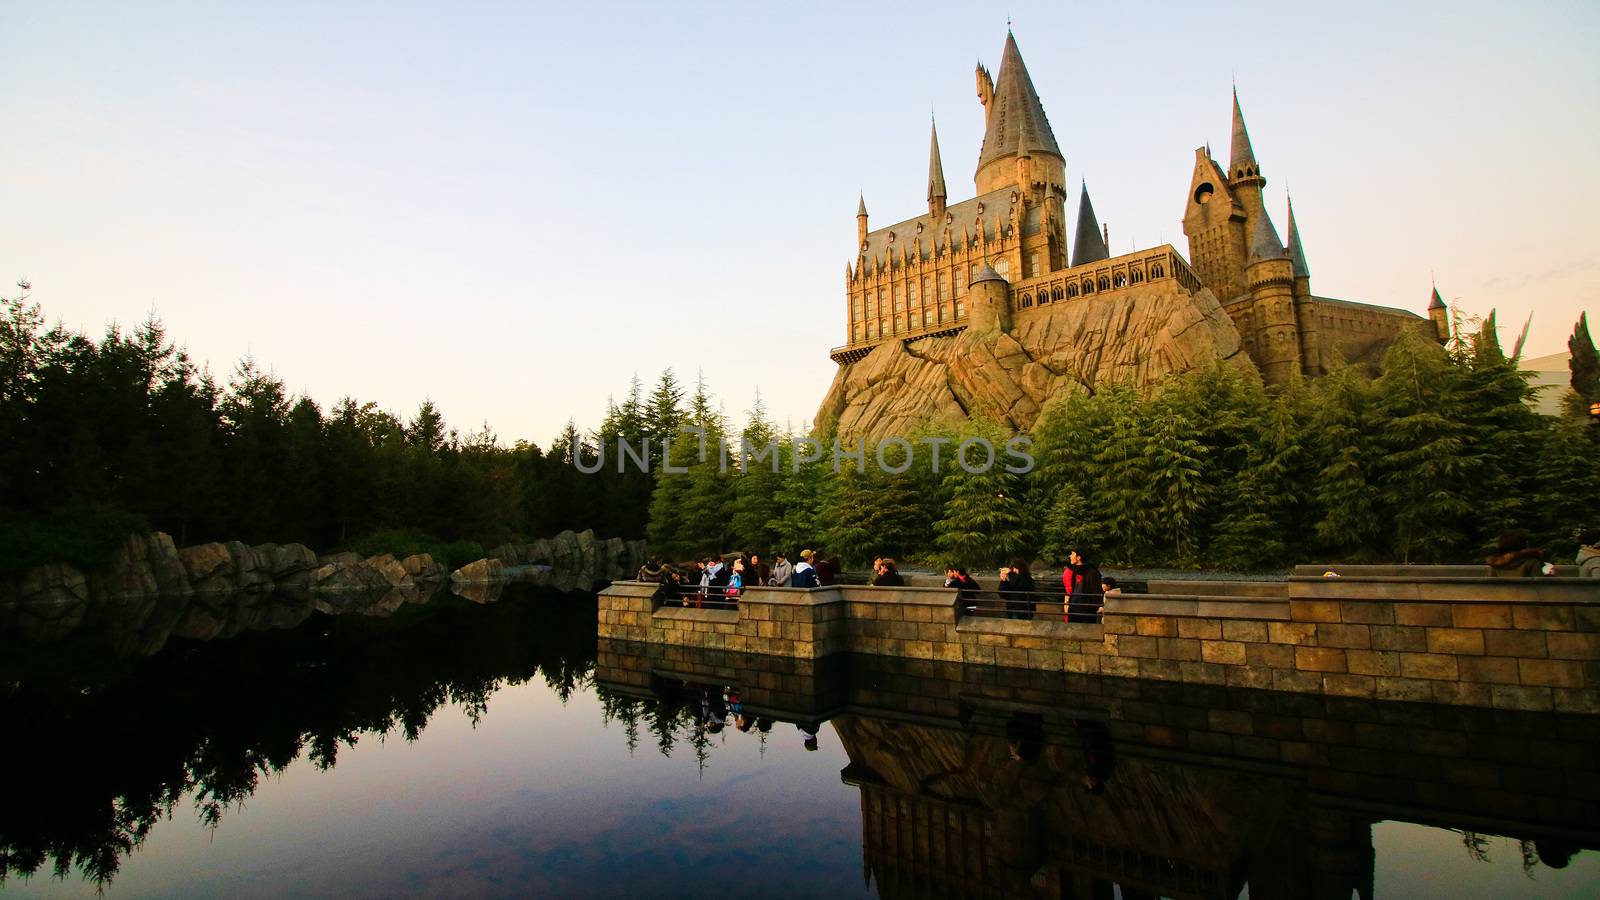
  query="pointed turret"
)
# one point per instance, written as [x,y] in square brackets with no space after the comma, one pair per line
[1241,156]
[1264,242]
[1437,302]
[1439,315]
[937,195]
[1297,253]
[1014,114]
[1090,244]
[861,222]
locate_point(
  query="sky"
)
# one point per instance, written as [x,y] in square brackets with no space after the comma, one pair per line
[512,209]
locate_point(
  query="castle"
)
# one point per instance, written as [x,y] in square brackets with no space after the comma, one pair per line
[1001,259]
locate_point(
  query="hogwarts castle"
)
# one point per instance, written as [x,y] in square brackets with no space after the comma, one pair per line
[994,278]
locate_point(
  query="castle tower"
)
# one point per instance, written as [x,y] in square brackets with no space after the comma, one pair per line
[1089,244]
[1013,115]
[937,195]
[1269,274]
[1305,307]
[861,222]
[1439,315]
[988,301]
[1214,221]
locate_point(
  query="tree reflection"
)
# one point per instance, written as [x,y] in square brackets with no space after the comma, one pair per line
[101,751]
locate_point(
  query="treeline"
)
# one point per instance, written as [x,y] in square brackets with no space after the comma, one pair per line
[125,433]
[1427,461]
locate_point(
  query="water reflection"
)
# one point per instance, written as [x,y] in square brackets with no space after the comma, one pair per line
[938,779]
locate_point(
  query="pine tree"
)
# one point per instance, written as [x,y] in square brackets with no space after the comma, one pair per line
[982,523]
[756,486]
[1584,361]
[663,414]
[1346,427]
[804,494]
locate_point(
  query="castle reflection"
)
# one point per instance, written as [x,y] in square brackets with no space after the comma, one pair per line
[982,782]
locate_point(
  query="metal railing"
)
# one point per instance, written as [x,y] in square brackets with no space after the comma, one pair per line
[1031,605]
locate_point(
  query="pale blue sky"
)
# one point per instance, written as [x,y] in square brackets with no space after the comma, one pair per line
[511,208]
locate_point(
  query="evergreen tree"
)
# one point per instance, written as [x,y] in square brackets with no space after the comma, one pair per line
[1350,503]
[803,495]
[663,414]
[755,494]
[982,521]
[1584,362]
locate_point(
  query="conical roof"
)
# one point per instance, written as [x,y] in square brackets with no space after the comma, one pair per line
[861,209]
[1240,153]
[1297,253]
[1090,244]
[1264,242]
[935,169]
[1437,302]
[987,273]
[1017,114]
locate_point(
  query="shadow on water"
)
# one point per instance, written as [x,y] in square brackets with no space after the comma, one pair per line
[100,749]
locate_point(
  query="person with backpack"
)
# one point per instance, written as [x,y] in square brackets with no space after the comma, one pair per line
[805,575]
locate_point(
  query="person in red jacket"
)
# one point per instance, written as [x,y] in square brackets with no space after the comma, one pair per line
[1081,579]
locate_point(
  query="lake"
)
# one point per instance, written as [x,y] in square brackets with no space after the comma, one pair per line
[473,749]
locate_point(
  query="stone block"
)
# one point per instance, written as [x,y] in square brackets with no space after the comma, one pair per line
[1313,610]
[1277,656]
[1543,618]
[1249,677]
[1585,701]
[1521,697]
[1373,662]
[1344,685]
[1319,659]
[1459,641]
[1291,633]
[1523,644]
[1489,669]
[1568,645]
[1160,669]
[1228,653]
[1119,667]
[1156,626]
[1180,648]
[1300,682]
[1119,625]
[1587,618]
[1255,632]
[1434,614]
[1399,637]
[1203,673]
[1461,693]
[1550,672]
[1480,615]
[1205,629]
[1352,636]
[1408,689]
[1428,665]
[1363,613]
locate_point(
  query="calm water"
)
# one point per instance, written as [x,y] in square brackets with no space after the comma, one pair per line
[457,749]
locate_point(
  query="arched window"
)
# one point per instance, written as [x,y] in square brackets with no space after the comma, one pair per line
[1088,286]
[1135,276]
[1027,300]
[1156,271]
[1103,283]
[1119,280]
[1072,290]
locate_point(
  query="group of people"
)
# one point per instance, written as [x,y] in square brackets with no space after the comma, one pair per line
[1515,557]
[722,580]
[1083,588]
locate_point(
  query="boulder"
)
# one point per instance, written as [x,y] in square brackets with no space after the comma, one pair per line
[482,571]
[209,567]
[337,559]
[393,573]
[512,554]
[539,552]
[289,565]
[251,571]
[51,602]
[478,591]
[347,577]
[421,567]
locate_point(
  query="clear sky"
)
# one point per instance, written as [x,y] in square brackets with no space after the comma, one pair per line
[512,208]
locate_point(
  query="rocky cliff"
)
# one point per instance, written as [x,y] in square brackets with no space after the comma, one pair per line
[1136,337]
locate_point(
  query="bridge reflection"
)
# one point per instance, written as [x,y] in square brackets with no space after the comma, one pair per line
[984,782]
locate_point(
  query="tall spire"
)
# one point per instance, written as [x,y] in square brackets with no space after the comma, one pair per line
[1437,302]
[1014,112]
[1242,158]
[1090,244]
[861,209]
[1264,242]
[1297,253]
[936,187]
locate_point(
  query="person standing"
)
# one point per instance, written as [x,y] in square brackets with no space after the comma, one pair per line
[782,571]
[735,581]
[1016,588]
[1589,553]
[887,575]
[805,574]
[827,569]
[757,572]
[1081,579]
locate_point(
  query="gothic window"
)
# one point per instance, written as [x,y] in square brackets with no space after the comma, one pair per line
[1135,276]
[1072,290]
[1035,269]
[1027,300]
[855,309]
[916,319]
[944,285]
[899,299]
[1119,280]
[1156,271]
[857,331]
[1002,267]
[961,308]
[1102,283]
[1088,286]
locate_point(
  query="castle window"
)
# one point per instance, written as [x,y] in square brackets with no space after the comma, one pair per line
[1088,286]
[1034,267]
[1027,300]
[944,285]
[1156,271]
[1119,280]
[1002,267]
[961,308]
[1103,283]
[857,332]
[1055,293]
[1135,276]
[916,319]
[1072,290]
[899,299]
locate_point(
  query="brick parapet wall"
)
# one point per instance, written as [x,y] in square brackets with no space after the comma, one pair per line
[1525,644]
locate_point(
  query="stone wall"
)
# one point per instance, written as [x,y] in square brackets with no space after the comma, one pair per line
[1524,644]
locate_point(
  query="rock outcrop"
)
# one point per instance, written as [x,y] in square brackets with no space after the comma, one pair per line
[573,560]
[1134,338]
[480,571]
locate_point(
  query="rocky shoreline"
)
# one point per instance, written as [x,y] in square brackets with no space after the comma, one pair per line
[152,590]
